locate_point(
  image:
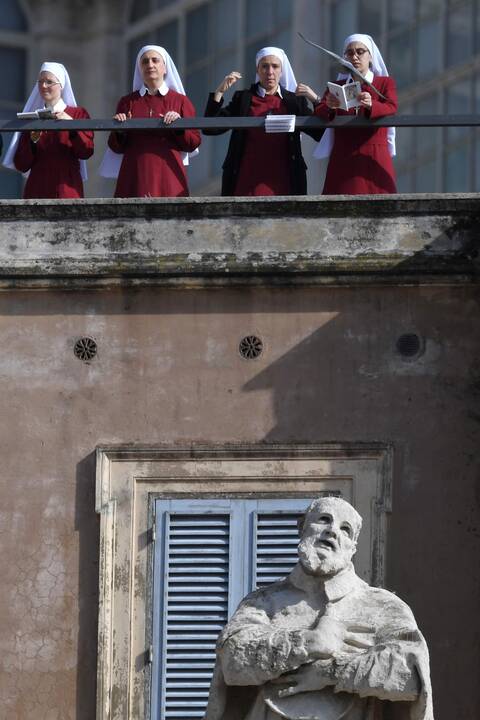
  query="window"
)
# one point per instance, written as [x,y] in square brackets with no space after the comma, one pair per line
[140,8]
[344,22]
[459,34]
[233,499]
[401,58]
[13,55]
[401,13]
[12,17]
[208,555]
[370,17]
[429,43]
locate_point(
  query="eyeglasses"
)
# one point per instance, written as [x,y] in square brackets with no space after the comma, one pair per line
[359,52]
[48,83]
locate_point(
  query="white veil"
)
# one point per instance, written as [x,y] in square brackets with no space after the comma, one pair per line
[287,78]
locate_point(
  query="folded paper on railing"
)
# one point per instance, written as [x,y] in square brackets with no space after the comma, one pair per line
[279,123]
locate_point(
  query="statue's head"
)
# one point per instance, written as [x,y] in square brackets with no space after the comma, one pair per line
[328,536]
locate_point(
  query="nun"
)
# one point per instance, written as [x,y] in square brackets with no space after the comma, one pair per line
[152,163]
[260,163]
[360,159]
[53,159]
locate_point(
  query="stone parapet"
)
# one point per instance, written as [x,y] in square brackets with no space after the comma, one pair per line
[406,239]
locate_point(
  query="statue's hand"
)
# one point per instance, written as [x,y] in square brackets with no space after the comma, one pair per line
[331,636]
[326,638]
[308,678]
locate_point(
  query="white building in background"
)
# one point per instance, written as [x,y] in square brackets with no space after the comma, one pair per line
[432,47]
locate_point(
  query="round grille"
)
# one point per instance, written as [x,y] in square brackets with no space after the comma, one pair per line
[250,347]
[409,345]
[85,349]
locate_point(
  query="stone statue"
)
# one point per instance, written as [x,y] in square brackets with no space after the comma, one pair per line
[321,644]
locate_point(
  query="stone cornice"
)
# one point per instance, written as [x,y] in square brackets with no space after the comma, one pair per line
[409,239]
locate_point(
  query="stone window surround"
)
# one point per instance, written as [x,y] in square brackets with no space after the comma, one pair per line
[130,478]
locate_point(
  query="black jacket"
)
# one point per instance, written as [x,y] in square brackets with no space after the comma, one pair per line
[239,106]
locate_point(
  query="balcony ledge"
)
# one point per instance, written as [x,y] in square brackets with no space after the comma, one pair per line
[407,239]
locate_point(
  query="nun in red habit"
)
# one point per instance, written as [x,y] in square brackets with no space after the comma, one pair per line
[54,160]
[260,163]
[360,160]
[152,163]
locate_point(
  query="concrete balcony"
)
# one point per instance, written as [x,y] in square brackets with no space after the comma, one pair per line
[200,241]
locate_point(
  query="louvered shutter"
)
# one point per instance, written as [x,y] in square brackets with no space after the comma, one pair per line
[275,546]
[209,554]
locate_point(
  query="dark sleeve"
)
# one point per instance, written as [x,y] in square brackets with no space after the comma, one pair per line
[216,109]
[185,140]
[381,107]
[82,140]
[304,110]
[117,140]
[25,153]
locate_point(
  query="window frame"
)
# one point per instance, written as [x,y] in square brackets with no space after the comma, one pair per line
[130,478]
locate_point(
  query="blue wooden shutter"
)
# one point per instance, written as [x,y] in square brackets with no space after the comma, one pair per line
[208,555]
[275,546]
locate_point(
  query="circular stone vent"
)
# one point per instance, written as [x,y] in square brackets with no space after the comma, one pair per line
[250,347]
[409,345]
[85,349]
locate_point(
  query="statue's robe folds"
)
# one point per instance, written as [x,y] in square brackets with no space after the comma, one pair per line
[263,641]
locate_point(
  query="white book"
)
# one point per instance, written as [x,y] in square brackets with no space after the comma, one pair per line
[279,123]
[41,113]
[347,94]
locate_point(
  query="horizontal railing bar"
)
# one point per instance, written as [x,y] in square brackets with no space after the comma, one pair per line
[239,123]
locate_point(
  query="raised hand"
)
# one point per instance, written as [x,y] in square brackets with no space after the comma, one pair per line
[306,91]
[227,82]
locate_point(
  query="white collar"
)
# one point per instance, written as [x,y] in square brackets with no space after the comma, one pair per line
[261,92]
[334,588]
[163,90]
[368,76]
[58,107]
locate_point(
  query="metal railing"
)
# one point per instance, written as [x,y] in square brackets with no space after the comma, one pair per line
[241,123]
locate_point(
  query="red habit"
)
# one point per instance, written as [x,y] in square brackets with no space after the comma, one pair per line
[360,163]
[53,161]
[265,168]
[152,164]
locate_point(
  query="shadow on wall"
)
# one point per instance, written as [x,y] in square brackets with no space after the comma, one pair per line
[401,364]
[394,352]
[87,525]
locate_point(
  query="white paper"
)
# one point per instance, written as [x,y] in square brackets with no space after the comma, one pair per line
[41,113]
[279,123]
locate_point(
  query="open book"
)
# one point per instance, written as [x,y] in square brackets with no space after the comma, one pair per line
[347,94]
[42,114]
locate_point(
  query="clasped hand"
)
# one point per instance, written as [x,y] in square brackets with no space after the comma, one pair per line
[168,118]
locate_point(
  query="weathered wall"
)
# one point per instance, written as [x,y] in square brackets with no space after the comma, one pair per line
[168,371]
